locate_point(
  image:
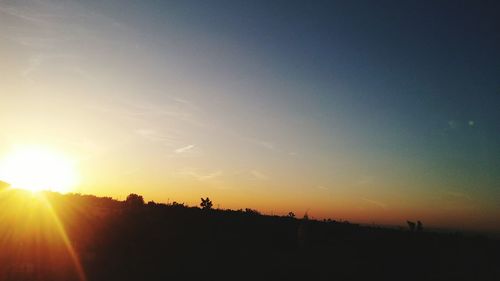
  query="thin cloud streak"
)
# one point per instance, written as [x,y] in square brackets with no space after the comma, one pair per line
[376,203]
[21,13]
[184,149]
[264,144]
[201,176]
[259,175]
[156,136]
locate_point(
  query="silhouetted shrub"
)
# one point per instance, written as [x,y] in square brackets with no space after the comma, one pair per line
[206,204]
[252,212]
[178,205]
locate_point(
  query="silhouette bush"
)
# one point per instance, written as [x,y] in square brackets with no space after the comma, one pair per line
[252,212]
[177,205]
[206,204]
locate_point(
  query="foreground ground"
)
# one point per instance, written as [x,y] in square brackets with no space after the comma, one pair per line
[74,237]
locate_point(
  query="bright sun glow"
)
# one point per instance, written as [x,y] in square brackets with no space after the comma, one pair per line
[37,169]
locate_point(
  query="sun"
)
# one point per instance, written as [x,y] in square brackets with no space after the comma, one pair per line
[36,169]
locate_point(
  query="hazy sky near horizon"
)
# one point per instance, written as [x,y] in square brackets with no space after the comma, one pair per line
[363,110]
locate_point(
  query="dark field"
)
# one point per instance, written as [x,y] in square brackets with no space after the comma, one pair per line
[114,240]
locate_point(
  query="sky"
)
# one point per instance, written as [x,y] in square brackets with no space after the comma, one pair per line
[368,111]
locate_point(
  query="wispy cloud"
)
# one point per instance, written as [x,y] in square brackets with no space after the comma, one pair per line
[259,175]
[376,203]
[149,112]
[45,28]
[39,42]
[21,13]
[37,61]
[169,123]
[184,148]
[364,181]
[210,176]
[458,195]
[155,136]
[262,143]
[33,64]
[201,176]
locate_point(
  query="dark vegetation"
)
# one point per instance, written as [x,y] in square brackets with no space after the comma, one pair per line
[134,240]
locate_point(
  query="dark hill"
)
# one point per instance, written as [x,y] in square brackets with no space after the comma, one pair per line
[131,240]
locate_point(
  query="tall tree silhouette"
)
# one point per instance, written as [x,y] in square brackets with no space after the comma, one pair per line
[134,200]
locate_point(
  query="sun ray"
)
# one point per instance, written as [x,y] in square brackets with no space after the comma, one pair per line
[64,236]
[30,221]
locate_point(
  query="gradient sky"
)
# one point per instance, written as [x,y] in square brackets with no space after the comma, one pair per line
[371,111]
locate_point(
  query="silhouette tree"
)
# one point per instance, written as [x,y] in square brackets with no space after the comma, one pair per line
[134,200]
[206,204]
[291,215]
